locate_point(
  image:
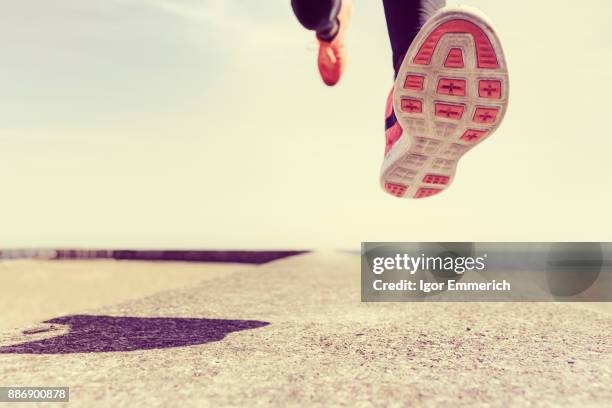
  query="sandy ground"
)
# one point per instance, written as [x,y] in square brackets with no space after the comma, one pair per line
[32,291]
[294,333]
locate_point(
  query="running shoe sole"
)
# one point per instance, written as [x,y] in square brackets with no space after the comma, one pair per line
[450,94]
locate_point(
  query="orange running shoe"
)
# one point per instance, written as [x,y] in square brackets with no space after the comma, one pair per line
[332,54]
[451,94]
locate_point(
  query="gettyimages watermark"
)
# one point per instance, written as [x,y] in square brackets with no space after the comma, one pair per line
[474,272]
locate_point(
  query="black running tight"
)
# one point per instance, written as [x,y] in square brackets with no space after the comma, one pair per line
[404,20]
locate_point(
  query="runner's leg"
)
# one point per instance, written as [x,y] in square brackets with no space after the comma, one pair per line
[404,20]
[320,16]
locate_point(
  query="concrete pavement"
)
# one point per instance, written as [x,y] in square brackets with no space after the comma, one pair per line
[294,332]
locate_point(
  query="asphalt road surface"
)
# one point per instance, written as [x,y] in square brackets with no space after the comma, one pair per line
[294,332]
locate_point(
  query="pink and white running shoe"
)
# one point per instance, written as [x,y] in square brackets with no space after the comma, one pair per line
[451,93]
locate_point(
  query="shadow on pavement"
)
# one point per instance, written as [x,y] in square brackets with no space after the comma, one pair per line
[92,334]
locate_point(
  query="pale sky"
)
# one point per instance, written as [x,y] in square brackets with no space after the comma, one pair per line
[203,124]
